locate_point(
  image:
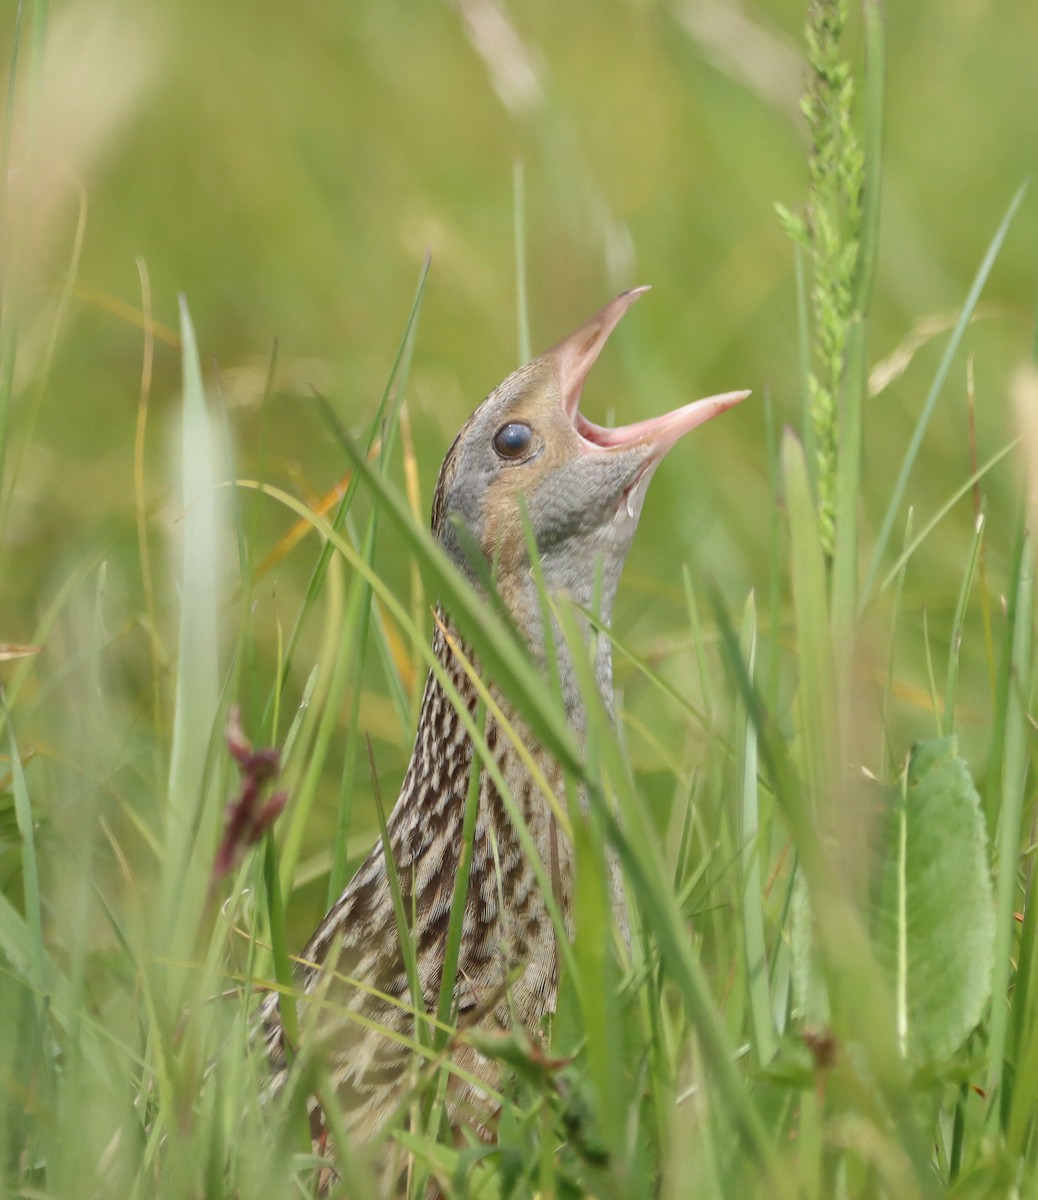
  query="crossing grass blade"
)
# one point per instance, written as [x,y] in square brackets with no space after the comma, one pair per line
[912,545]
[31,940]
[636,846]
[886,755]
[191,814]
[914,445]
[751,838]
[495,646]
[383,421]
[816,688]
[958,622]
[1014,771]
[11,231]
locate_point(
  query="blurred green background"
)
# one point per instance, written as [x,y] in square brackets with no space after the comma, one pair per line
[287,167]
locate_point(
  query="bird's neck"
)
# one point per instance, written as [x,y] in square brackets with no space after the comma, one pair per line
[536,619]
[537,623]
[437,715]
[551,650]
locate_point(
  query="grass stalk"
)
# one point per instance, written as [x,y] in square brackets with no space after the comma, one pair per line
[405,920]
[10,256]
[190,813]
[31,897]
[522,305]
[958,623]
[637,847]
[750,837]
[383,418]
[886,757]
[1015,764]
[916,441]
[908,550]
[459,900]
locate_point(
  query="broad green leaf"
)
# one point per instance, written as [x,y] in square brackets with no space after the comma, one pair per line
[935,917]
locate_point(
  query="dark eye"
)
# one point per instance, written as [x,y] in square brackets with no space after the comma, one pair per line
[513,439]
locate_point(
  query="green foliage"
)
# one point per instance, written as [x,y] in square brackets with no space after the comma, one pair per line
[824,994]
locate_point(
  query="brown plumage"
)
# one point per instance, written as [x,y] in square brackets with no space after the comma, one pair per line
[582,487]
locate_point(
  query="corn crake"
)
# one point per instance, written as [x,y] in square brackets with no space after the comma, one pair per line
[582,488]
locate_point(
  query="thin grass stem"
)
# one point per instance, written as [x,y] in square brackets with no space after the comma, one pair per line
[916,441]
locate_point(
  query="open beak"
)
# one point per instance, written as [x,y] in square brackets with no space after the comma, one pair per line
[576,356]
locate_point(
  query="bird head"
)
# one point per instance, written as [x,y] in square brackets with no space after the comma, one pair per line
[582,486]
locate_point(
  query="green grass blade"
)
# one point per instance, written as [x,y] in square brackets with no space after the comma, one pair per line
[319,722]
[931,678]
[912,546]
[972,296]
[848,498]
[357,623]
[705,684]
[1004,684]
[29,862]
[958,621]
[861,1006]
[637,846]
[498,650]
[459,899]
[383,415]
[405,920]
[804,365]
[872,146]
[190,817]
[775,555]
[750,838]
[10,256]
[522,304]
[811,613]
[279,944]
[355,635]
[886,756]
[1014,774]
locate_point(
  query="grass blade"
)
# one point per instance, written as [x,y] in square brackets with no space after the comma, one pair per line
[29,864]
[750,838]
[872,145]
[972,296]
[521,302]
[1014,774]
[397,373]
[190,816]
[957,624]
[811,612]
[499,651]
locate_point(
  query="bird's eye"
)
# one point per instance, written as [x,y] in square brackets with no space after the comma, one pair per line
[513,439]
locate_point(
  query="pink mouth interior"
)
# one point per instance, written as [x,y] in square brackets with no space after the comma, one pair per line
[659,432]
[576,356]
